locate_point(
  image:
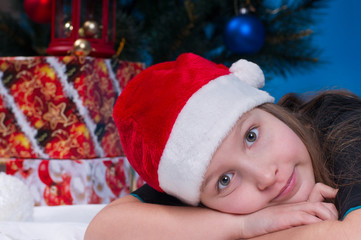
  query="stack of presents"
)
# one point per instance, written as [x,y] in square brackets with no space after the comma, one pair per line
[57,133]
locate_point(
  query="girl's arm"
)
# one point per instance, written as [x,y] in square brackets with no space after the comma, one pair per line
[129,218]
[349,228]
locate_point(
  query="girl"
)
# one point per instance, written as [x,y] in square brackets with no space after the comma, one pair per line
[201,134]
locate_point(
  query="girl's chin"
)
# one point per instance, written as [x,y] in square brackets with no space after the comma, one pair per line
[302,194]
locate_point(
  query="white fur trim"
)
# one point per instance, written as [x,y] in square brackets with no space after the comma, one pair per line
[248,72]
[200,127]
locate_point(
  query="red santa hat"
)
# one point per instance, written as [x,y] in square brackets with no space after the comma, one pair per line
[173,115]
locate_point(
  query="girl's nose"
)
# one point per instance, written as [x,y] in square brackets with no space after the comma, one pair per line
[266,177]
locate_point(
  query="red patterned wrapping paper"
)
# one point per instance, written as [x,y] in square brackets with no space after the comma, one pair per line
[56,127]
[60,182]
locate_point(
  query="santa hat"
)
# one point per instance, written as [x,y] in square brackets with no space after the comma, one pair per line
[173,115]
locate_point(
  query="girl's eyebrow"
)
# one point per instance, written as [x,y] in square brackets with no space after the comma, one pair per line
[238,125]
[206,181]
[241,121]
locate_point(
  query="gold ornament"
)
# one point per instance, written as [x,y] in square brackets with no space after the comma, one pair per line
[81,47]
[68,28]
[91,29]
[81,32]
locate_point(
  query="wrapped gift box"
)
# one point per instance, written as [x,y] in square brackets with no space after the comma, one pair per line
[57,133]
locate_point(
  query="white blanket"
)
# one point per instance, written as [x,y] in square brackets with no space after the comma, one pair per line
[52,223]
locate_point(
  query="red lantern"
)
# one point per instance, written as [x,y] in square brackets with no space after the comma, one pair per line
[38,11]
[92,23]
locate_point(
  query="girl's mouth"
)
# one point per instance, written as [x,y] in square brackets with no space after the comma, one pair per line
[288,188]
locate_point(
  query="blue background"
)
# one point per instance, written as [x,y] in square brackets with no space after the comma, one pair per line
[338,35]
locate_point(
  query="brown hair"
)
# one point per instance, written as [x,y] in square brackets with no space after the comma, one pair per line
[307,134]
[341,138]
[326,135]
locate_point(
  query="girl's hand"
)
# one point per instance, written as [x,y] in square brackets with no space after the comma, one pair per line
[280,217]
[321,192]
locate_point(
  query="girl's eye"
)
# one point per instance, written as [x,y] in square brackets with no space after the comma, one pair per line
[224,180]
[251,136]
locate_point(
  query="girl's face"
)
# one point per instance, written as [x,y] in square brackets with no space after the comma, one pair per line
[261,163]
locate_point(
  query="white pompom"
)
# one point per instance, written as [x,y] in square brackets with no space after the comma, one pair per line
[248,72]
[16,201]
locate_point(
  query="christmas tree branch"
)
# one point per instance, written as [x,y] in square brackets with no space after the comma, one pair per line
[15,41]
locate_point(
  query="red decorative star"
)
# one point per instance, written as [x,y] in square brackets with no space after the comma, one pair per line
[56,115]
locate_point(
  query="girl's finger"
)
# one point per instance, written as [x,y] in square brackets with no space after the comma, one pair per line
[321,192]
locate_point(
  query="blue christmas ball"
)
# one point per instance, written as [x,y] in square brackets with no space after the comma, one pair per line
[244,34]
